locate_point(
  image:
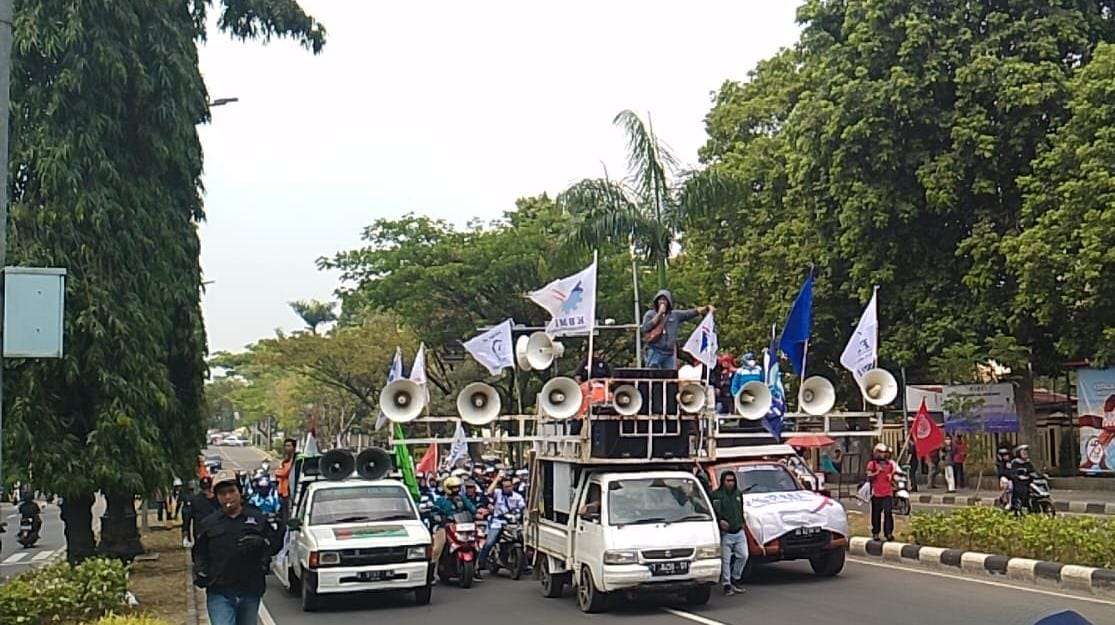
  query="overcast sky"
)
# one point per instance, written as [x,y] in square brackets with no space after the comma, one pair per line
[451,109]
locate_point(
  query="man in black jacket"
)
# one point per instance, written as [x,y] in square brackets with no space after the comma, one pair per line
[231,556]
[198,506]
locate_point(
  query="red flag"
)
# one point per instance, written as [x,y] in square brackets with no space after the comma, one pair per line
[928,436]
[428,463]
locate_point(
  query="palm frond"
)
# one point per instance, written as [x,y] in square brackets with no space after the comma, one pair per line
[602,212]
[705,191]
[650,163]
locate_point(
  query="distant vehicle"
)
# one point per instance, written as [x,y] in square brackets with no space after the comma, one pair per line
[233,440]
[213,463]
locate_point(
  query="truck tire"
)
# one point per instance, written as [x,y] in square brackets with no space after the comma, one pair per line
[516,560]
[552,585]
[468,571]
[422,595]
[699,595]
[589,598]
[828,563]
[310,599]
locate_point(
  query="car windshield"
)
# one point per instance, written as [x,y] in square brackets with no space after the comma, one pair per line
[656,500]
[766,479]
[360,504]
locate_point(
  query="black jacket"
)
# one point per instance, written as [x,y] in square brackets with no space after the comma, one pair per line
[197,508]
[233,553]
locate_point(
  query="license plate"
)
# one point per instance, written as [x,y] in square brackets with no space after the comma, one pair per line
[807,531]
[375,576]
[669,568]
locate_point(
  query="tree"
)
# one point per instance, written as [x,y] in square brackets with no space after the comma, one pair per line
[314,313]
[648,209]
[106,176]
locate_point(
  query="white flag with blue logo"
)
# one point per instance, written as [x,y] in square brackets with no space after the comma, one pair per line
[393,374]
[494,348]
[459,448]
[703,343]
[862,350]
[571,303]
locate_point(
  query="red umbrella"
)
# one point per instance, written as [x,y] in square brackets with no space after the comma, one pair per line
[810,440]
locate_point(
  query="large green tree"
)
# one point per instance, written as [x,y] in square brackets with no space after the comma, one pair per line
[106,182]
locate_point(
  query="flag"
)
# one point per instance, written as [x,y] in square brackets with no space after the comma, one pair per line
[703,343]
[405,463]
[773,375]
[393,374]
[418,372]
[928,436]
[428,463]
[459,449]
[571,303]
[795,334]
[862,350]
[493,348]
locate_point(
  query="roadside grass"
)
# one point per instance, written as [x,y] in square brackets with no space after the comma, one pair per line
[860,525]
[159,584]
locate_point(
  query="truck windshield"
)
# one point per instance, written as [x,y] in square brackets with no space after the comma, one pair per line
[766,479]
[360,504]
[656,500]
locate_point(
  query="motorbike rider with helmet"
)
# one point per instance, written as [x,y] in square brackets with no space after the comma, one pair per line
[1002,469]
[29,509]
[1021,472]
[453,501]
[264,497]
[508,501]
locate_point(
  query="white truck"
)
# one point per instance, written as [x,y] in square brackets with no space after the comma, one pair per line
[355,535]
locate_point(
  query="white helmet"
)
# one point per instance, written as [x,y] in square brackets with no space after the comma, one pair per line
[882,448]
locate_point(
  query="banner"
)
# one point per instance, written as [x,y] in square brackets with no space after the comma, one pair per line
[1095,392]
[571,302]
[863,348]
[972,408]
[703,344]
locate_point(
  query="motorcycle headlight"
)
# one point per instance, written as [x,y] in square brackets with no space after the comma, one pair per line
[705,552]
[620,556]
[418,553]
[328,558]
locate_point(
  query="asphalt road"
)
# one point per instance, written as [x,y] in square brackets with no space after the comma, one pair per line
[13,557]
[234,458]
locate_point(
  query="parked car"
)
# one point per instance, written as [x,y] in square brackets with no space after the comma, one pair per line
[234,441]
[213,463]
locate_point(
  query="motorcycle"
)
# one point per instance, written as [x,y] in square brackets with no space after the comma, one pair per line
[508,552]
[900,500]
[28,534]
[458,559]
[1036,497]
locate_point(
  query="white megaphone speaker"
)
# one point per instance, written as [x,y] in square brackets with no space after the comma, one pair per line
[541,351]
[478,404]
[879,387]
[521,353]
[627,400]
[401,401]
[817,396]
[753,401]
[689,373]
[560,398]
[691,397]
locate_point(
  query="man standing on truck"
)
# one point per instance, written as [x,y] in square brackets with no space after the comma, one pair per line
[727,501]
[661,325]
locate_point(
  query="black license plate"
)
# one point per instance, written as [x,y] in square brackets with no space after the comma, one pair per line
[669,568]
[375,576]
[807,531]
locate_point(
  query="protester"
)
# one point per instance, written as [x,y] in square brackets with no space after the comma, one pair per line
[231,556]
[959,457]
[507,501]
[726,365]
[447,505]
[661,325]
[934,467]
[948,459]
[282,475]
[601,369]
[727,501]
[880,472]
[199,506]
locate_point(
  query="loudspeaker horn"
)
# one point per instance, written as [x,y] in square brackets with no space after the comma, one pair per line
[541,351]
[627,400]
[689,373]
[817,396]
[691,397]
[336,465]
[478,404]
[879,387]
[401,401]
[560,398]
[753,401]
[373,463]
[521,353]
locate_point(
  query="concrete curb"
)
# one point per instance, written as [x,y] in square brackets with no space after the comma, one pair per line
[1038,572]
[1075,507]
[191,592]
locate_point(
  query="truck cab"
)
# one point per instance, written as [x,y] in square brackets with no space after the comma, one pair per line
[355,535]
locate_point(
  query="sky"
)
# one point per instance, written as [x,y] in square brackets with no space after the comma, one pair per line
[449,109]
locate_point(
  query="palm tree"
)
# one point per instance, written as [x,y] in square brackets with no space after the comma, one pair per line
[649,208]
[314,312]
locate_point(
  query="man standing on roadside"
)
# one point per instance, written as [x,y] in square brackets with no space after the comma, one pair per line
[880,472]
[199,506]
[727,500]
[282,474]
[231,556]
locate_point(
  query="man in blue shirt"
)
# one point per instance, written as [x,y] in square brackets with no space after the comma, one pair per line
[508,501]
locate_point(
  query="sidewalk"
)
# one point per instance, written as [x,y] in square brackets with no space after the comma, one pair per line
[1076,501]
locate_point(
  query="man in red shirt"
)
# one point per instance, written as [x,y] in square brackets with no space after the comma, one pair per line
[880,472]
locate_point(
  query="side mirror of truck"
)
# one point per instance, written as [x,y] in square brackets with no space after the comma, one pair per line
[294,524]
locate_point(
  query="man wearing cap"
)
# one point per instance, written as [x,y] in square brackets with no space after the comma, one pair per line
[232,552]
[198,506]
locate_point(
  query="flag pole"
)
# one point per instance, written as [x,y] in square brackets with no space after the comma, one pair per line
[635,284]
[592,325]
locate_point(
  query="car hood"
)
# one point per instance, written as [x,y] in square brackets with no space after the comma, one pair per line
[770,515]
[663,536]
[364,535]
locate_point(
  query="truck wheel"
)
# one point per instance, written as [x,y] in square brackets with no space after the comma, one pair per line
[552,585]
[589,599]
[310,599]
[699,595]
[515,561]
[828,563]
[422,595]
[468,570]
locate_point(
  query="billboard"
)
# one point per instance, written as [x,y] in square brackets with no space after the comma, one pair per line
[1095,392]
[979,408]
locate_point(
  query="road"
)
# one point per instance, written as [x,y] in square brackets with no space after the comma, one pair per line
[13,557]
[235,458]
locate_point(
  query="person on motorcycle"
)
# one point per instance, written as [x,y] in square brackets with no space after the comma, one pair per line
[1002,469]
[29,509]
[445,506]
[478,497]
[264,497]
[1021,472]
[507,502]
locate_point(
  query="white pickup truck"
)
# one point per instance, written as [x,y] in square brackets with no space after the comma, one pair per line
[612,532]
[355,535]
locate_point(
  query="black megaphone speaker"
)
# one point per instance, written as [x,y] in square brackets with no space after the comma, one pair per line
[373,463]
[336,465]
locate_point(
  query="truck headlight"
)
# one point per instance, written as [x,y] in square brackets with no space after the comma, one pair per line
[328,558]
[418,553]
[705,552]
[620,556]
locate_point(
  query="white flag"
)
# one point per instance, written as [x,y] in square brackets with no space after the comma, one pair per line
[863,349]
[459,449]
[493,349]
[571,303]
[703,343]
[418,371]
[393,374]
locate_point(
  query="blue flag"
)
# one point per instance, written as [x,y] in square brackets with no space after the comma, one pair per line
[798,326]
[773,374]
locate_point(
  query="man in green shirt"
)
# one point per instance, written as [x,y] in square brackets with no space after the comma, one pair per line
[728,503]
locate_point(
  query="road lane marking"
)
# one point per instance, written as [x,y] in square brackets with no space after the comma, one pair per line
[696,618]
[42,555]
[986,582]
[265,615]
[15,558]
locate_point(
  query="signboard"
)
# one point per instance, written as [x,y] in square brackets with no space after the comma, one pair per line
[915,393]
[979,408]
[1095,391]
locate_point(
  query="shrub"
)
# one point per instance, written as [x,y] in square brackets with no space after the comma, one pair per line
[1070,540]
[64,594]
[132,619]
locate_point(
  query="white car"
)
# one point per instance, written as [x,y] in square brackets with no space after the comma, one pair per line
[355,535]
[234,441]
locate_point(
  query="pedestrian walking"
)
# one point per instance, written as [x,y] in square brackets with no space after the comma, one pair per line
[959,457]
[201,505]
[948,458]
[880,472]
[727,500]
[231,556]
